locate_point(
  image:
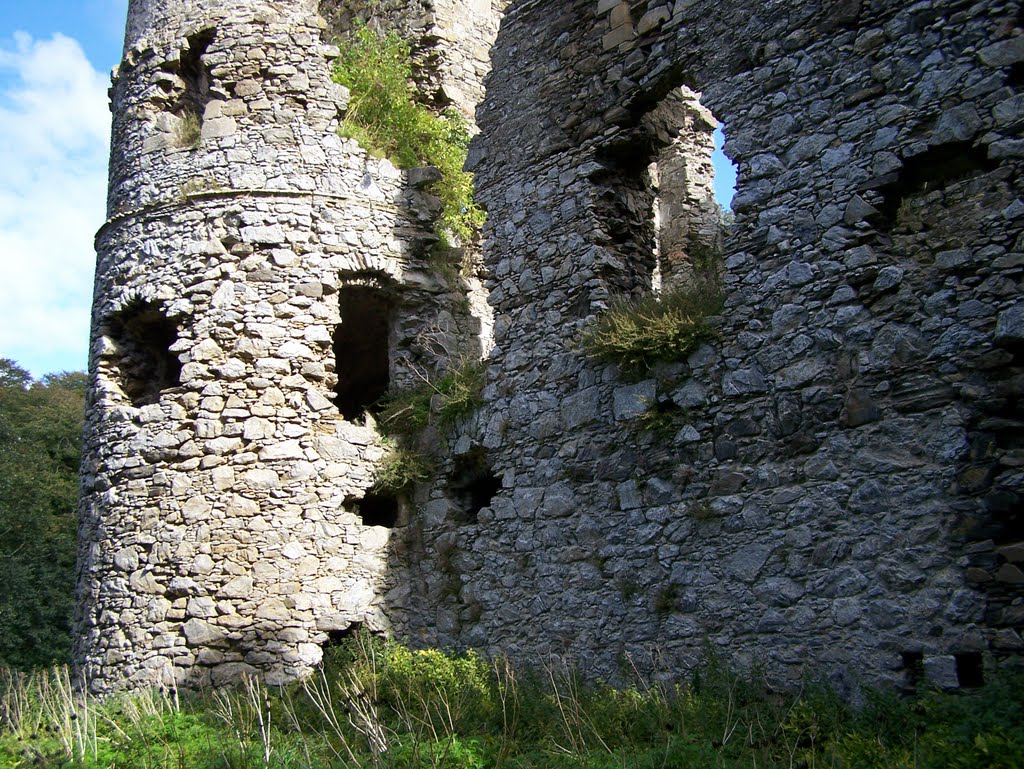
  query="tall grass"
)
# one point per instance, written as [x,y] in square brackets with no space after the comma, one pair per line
[382,705]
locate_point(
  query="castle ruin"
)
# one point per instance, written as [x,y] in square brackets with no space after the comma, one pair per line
[840,489]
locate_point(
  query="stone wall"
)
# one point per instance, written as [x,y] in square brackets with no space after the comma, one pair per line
[835,485]
[840,489]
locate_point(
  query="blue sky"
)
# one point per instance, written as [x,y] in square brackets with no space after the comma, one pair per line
[725,173]
[55,62]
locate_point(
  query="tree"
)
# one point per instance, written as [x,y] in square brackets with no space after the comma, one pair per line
[40,448]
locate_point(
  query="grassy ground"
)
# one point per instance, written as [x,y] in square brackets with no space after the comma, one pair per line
[382,705]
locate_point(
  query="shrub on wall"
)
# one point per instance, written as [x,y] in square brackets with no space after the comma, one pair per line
[406,412]
[637,333]
[454,394]
[384,117]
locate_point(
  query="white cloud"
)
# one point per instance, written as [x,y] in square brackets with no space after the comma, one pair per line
[54,129]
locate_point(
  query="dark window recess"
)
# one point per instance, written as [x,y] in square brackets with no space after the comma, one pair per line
[196,74]
[473,485]
[931,170]
[144,363]
[970,671]
[376,510]
[625,205]
[340,636]
[913,669]
[1016,76]
[362,353]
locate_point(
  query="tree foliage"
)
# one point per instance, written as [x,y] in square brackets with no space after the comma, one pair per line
[40,446]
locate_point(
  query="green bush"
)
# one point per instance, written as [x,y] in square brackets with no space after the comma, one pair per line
[407,411]
[384,117]
[401,469]
[637,333]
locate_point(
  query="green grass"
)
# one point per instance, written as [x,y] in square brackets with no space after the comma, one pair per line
[378,704]
[188,131]
[406,412]
[385,118]
[637,333]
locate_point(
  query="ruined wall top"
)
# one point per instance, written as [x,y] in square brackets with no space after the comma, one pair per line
[151,21]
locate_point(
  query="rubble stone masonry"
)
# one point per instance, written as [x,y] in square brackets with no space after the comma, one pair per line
[839,490]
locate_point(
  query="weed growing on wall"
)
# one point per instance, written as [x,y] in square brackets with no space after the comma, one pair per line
[452,396]
[406,412]
[384,117]
[380,704]
[188,131]
[401,469]
[637,333]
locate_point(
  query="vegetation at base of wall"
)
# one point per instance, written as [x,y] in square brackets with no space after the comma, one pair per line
[451,397]
[637,333]
[40,446]
[384,117]
[381,705]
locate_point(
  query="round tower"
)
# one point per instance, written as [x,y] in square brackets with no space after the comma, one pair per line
[260,283]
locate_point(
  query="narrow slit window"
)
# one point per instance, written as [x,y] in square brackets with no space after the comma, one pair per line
[195,93]
[195,73]
[913,669]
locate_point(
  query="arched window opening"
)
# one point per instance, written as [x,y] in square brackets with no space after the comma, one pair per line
[362,349]
[144,364]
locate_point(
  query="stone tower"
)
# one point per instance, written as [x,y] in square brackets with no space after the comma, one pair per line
[260,281]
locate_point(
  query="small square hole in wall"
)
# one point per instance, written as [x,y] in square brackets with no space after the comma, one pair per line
[913,670]
[143,364]
[970,670]
[473,485]
[376,510]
